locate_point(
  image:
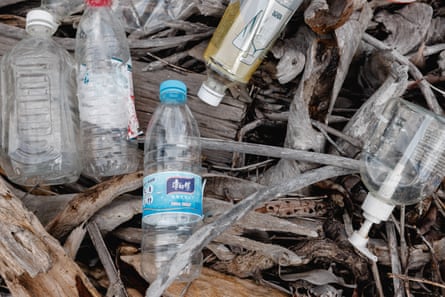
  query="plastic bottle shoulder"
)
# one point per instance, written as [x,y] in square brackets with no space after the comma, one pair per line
[177,118]
[100,34]
[37,47]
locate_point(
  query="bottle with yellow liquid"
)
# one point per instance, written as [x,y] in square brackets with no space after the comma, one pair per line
[245,33]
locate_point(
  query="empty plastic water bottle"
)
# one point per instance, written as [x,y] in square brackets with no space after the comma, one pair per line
[172,190]
[39,122]
[109,125]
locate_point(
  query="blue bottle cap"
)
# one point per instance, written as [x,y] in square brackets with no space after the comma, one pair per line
[173,91]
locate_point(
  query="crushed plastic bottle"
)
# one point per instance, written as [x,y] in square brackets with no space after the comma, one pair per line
[245,33]
[172,189]
[404,161]
[109,126]
[39,122]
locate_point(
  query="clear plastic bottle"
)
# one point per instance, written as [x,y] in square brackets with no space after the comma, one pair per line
[404,161]
[245,33]
[39,122]
[172,189]
[109,126]
[61,8]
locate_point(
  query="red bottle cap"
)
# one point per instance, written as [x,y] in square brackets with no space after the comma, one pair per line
[98,3]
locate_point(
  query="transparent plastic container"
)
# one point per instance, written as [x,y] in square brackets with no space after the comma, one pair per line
[404,161]
[244,35]
[61,8]
[109,126]
[172,190]
[39,122]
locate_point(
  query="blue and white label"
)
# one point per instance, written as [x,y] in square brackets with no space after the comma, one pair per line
[172,192]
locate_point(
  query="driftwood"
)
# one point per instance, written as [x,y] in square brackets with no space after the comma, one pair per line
[276,222]
[84,205]
[33,263]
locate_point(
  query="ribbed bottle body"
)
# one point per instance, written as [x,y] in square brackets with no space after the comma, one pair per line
[39,114]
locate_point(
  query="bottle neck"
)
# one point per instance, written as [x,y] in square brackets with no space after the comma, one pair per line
[173,98]
[172,102]
[39,30]
[98,3]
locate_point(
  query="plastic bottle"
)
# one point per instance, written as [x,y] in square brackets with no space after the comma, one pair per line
[245,33]
[172,189]
[109,126]
[61,8]
[404,161]
[39,124]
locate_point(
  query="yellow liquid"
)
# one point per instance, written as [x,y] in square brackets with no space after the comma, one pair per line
[221,55]
[243,37]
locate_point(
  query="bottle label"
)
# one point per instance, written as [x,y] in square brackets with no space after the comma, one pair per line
[261,21]
[133,123]
[244,35]
[119,82]
[172,192]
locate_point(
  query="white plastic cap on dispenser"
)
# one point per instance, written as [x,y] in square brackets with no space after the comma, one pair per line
[375,211]
[210,95]
[43,18]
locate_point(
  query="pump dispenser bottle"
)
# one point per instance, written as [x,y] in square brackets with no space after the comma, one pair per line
[404,161]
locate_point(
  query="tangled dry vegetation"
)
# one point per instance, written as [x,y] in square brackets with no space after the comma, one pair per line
[281,160]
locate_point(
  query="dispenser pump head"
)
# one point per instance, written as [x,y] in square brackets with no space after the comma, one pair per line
[374,210]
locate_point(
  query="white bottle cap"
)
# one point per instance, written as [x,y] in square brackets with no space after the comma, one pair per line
[209,95]
[41,17]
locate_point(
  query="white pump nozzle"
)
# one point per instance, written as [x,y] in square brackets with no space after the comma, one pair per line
[374,211]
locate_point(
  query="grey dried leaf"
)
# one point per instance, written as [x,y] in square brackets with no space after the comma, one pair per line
[325,291]
[290,65]
[407,27]
[317,277]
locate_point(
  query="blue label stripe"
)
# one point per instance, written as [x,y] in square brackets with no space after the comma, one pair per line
[172,192]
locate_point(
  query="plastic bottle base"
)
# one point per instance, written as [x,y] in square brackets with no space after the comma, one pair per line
[150,268]
[104,167]
[32,181]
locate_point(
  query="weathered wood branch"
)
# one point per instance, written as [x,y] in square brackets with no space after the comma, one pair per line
[86,204]
[33,263]
[414,71]
[10,2]
[212,283]
[117,287]
[395,259]
[280,152]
